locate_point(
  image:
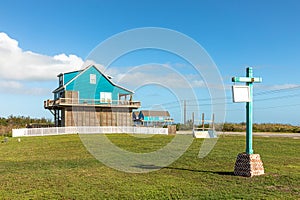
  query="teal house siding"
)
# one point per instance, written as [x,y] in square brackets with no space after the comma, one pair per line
[69,76]
[80,81]
[89,98]
[152,118]
[155,118]
[82,84]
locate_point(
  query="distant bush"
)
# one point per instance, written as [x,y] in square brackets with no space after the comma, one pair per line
[11,122]
[241,127]
[265,127]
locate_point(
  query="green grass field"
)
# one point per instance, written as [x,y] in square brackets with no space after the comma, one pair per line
[59,167]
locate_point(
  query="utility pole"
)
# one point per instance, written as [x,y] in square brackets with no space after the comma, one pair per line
[184,111]
[203,122]
[193,119]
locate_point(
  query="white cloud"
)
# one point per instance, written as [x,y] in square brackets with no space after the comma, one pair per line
[18,87]
[10,84]
[16,64]
[163,74]
[278,87]
[18,68]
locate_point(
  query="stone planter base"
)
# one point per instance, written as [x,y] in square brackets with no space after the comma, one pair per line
[248,165]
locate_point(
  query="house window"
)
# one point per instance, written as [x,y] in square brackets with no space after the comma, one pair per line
[60,80]
[92,78]
[105,97]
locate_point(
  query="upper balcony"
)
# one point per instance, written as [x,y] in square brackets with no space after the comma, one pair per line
[65,102]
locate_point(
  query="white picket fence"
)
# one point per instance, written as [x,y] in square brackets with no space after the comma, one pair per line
[87,130]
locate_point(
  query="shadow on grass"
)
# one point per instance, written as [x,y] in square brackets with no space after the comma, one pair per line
[204,171]
[185,169]
[147,166]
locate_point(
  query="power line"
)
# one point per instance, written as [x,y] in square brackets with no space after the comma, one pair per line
[170,106]
[277,90]
[230,102]
[258,108]
[280,97]
[279,106]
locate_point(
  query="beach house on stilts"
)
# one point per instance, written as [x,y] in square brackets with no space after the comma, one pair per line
[88,97]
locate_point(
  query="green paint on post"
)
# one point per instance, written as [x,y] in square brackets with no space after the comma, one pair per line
[249,113]
[249,80]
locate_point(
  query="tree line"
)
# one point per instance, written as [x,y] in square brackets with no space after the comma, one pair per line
[11,122]
[241,127]
[263,127]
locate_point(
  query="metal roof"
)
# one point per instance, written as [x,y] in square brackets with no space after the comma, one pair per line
[152,113]
[82,71]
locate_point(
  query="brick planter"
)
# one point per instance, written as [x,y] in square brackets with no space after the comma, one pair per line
[248,165]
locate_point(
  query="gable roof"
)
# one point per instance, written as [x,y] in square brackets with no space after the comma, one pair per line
[155,113]
[69,72]
[58,89]
[108,78]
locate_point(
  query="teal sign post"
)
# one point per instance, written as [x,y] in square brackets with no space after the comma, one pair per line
[249,80]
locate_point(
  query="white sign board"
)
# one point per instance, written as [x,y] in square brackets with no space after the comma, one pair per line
[240,93]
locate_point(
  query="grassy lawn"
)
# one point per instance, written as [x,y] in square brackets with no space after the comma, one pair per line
[59,167]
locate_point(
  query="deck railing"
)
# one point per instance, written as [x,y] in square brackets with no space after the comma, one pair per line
[95,102]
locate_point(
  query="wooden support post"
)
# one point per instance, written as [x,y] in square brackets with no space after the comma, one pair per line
[202,121]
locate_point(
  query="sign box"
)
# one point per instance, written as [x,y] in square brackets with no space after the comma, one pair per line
[241,93]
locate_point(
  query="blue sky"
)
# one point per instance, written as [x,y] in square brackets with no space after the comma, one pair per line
[48,37]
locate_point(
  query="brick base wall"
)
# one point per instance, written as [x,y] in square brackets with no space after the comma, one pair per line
[248,165]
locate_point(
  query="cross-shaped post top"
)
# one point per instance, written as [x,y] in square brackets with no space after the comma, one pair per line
[248,79]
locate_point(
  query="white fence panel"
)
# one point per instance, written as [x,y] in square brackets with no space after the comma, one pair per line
[87,130]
